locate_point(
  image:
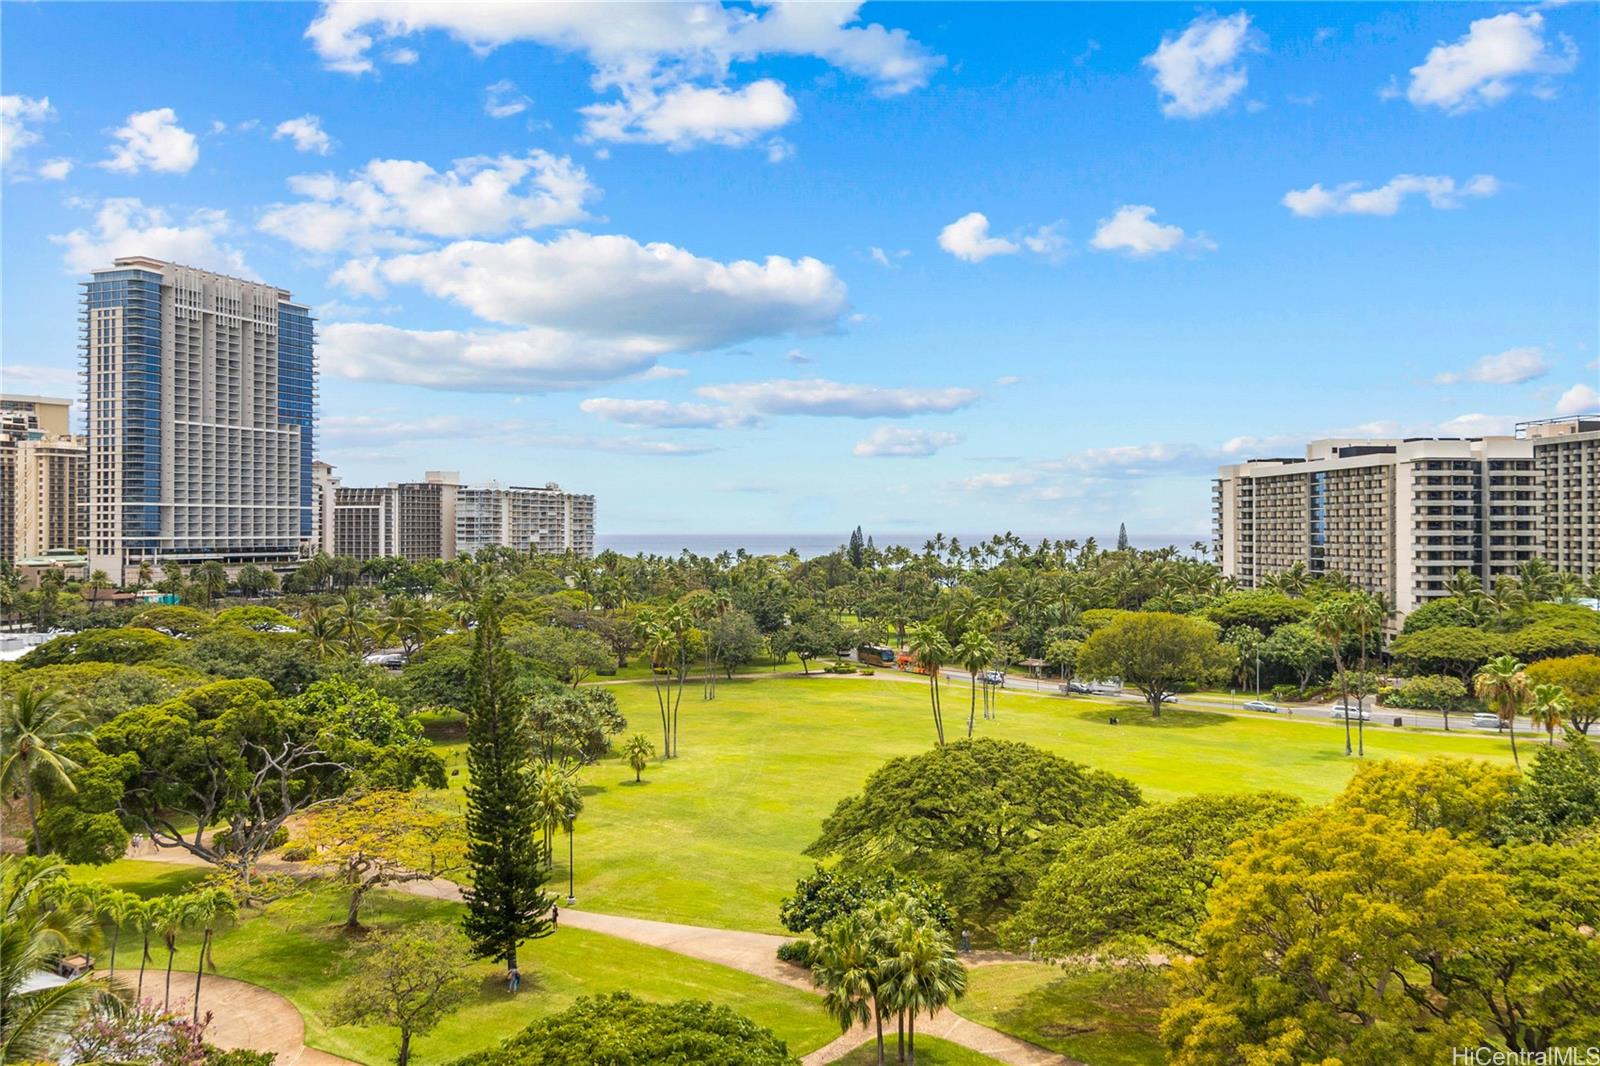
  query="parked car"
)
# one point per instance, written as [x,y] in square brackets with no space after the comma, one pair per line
[1262,705]
[1352,713]
[1486,720]
[1169,698]
[1082,687]
[994,677]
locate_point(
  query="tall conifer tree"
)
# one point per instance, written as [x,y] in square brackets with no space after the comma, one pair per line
[506,903]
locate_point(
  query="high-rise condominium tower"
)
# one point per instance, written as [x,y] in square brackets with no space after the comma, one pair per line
[200,393]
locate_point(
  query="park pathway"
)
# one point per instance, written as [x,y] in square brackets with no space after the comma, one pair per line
[248,1016]
[747,952]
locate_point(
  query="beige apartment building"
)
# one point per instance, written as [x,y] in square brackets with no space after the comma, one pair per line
[415,520]
[1398,517]
[548,519]
[1566,454]
[43,478]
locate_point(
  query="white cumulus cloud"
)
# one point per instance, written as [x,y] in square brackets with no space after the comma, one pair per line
[670,65]
[55,169]
[819,396]
[664,414]
[307,134]
[502,99]
[153,140]
[527,360]
[968,238]
[389,202]
[1134,230]
[687,116]
[125,226]
[1352,199]
[1488,63]
[1510,367]
[615,285]
[1579,400]
[1198,71]
[891,441]
[20,117]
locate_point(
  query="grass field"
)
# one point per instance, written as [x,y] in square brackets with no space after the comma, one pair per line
[1086,1016]
[931,1051]
[297,949]
[715,836]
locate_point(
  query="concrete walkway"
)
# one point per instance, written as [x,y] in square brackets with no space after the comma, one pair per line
[747,952]
[245,1016]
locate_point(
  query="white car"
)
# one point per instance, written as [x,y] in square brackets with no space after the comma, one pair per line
[1486,720]
[1352,713]
[1263,706]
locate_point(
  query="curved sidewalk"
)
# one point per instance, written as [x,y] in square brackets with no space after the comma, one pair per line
[747,952]
[245,1016]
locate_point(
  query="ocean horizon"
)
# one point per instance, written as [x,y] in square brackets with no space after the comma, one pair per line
[811,545]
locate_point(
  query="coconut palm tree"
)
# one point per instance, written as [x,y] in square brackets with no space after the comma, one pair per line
[930,651]
[147,573]
[172,914]
[211,579]
[1331,621]
[37,921]
[1503,686]
[847,968]
[143,916]
[975,652]
[208,907]
[114,907]
[1550,705]
[556,801]
[34,725]
[923,973]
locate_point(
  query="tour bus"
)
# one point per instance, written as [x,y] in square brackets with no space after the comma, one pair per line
[875,655]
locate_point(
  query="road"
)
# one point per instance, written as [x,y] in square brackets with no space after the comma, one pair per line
[1320,713]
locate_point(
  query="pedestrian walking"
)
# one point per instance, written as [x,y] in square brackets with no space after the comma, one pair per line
[555,916]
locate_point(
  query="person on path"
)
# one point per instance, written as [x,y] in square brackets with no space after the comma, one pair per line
[555,916]
[514,980]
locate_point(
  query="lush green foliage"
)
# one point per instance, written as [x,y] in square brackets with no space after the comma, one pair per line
[621,1030]
[971,818]
[1139,883]
[1156,652]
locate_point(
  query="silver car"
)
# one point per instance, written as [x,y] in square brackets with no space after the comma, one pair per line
[1263,706]
[1353,713]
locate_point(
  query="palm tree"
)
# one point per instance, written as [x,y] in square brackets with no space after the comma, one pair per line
[207,908]
[171,915]
[638,751]
[147,573]
[34,724]
[1550,706]
[114,907]
[98,582]
[556,801]
[846,967]
[975,652]
[930,651]
[1504,687]
[1331,621]
[143,917]
[38,921]
[211,578]
[321,629]
[923,974]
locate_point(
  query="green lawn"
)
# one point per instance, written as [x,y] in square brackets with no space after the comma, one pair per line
[931,1051]
[297,949]
[1086,1016]
[715,836]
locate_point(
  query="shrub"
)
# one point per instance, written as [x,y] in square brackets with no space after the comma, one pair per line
[1427,692]
[620,1029]
[798,952]
[298,853]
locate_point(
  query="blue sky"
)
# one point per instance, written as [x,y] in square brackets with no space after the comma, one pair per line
[791,269]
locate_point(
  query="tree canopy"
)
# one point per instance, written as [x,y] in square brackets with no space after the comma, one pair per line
[971,818]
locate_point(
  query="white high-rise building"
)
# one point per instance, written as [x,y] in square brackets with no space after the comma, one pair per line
[546,520]
[1397,517]
[200,395]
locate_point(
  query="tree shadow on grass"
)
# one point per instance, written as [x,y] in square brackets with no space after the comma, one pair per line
[1139,716]
[630,783]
